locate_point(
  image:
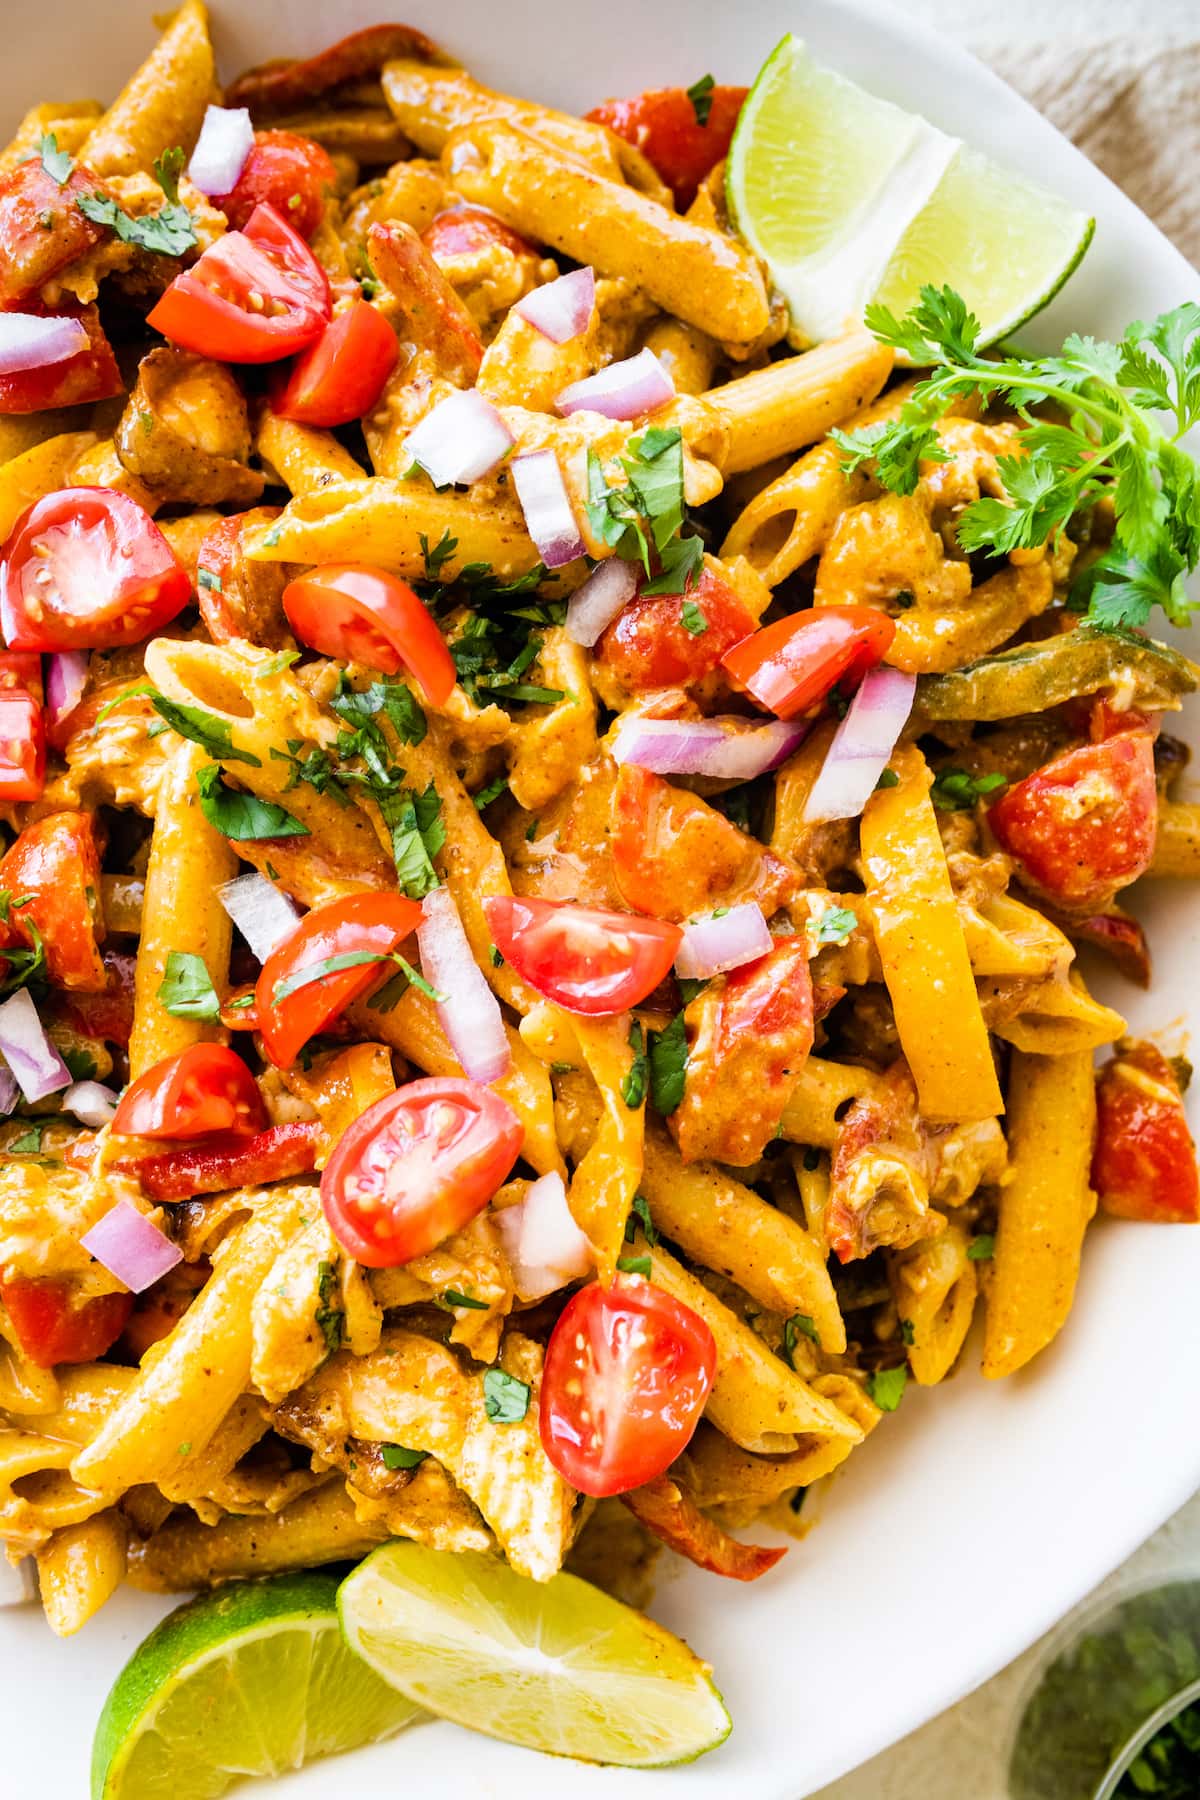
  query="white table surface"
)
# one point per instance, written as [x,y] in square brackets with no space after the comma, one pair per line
[1129,99]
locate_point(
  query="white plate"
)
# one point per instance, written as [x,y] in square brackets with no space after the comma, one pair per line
[978,1514]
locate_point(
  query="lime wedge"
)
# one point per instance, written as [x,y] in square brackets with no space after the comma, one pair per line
[554,1665]
[250,1680]
[849,199]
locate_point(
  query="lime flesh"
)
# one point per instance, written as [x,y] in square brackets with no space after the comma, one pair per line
[253,1679]
[850,199]
[557,1666]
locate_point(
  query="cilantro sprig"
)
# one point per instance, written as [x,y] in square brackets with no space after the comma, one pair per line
[642,517]
[168,232]
[1115,442]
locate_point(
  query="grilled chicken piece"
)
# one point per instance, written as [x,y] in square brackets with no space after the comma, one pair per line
[186,432]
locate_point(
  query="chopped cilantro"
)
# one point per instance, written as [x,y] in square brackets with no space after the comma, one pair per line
[886,1387]
[633,1083]
[700,94]
[956,791]
[168,232]
[205,578]
[834,925]
[634,1265]
[57,163]
[888,779]
[798,1326]
[640,1215]
[186,990]
[240,816]
[395,1456]
[982,1248]
[491,792]
[642,518]
[693,619]
[454,1297]
[907,1335]
[329,1319]
[204,728]
[437,558]
[667,1055]
[28,1144]
[505,1398]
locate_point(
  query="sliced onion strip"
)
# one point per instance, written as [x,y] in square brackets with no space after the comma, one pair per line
[91,1102]
[713,945]
[9,1091]
[625,390]
[546,504]
[32,1058]
[226,140]
[460,440]
[561,309]
[30,341]
[606,592]
[470,1013]
[725,748]
[262,914]
[131,1247]
[861,746]
[66,678]
[542,1241]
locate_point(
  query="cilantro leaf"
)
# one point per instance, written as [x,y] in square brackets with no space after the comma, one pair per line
[633,1082]
[395,1456]
[241,816]
[692,618]
[505,1397]
[640,1215]
[437,558]
[453,1297]
[955,791]
[667,1055]
[328,965]
[886,1387]
[186,990]
[700,94]
[329,1319]
[982,1248]
[634,1265]
[57,163]
[798,1326]
[834,925]
[168,232]
[642,518]
[204,728]
[417,836]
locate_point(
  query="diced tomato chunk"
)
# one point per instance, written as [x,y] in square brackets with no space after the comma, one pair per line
[52,877]
[52,1325]
[675,856]
[22,728]
[1144,1165]
[648,645]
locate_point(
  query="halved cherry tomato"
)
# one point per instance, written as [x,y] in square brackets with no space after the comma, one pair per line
[791,665]
[53,1326]
[357,613]
[582,957]
[22,728]
[465,230]
[341,376]
[91,374]
[54,868]
[87,568]
[648,645]
[416,1167]
[254,296]
[662,123]
[289,172]
[1084,824]
[231,1162]
[628,1372]
[41,227]
[205,1089]
[1144,1165]
[292,1009]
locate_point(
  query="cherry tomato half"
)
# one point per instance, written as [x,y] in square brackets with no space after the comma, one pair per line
[416,1167]
[1083,825]
[22,728]
[628,1372]
[466,230]
[791,665]
[290,1008]
[254,296]
[340,377]
[54,865]
[207,1088]
[87,569]
[582,957]
[664,125]
[291,173]
[1144,1165]
[91,374]
[53,1326]
[357,613]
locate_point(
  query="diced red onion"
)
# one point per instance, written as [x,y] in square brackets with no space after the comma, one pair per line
[460,440]
[861,746]
[625,390]
[130,1247]
[91,1102]
[470,1013]
[722,747]
[29,341]
[561,309]
[606,592]
[713,945]
[547,507]
[262,914]
[226,140]
[38,1067]
[542,1241]
[66,678]
[9,1090]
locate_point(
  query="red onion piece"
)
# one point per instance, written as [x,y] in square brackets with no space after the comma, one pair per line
[542,1241]
[722,747]
[606,592]
[470,1013]
[712,945]
[91,1102]
[460,440]
[28,341]
[226,140]
[547,507]
[625,390]
[9,1090]
[30,1055]
[561,309]
[861,746]
[131,1248]
[262,914]
[66,678]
